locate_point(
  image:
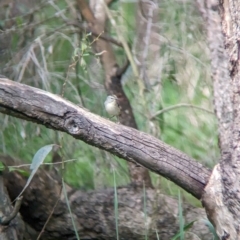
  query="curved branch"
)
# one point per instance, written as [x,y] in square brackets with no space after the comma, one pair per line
[7,219]
[95,33]
[130,144]
[180,105]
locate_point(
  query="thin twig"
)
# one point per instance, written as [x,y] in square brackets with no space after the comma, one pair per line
[179,106]
[13,214]
[49,217]
[31,11]
[123,69]
[143,74]
[96,34]
[23,27]
[28,165]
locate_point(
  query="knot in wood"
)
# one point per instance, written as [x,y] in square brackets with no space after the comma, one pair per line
[225,236]
[73,126]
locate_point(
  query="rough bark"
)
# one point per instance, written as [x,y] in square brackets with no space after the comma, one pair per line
[219,68]
[10,228]
[221,198]
[223,112]
[54,112]
[93,211]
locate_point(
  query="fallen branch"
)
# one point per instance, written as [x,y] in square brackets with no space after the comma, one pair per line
[54,112]
[93,211]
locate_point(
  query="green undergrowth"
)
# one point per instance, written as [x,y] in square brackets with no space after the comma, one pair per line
[184,79]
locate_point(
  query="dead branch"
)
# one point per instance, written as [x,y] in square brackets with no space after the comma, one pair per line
[93,211]
[54,112]
[11,225]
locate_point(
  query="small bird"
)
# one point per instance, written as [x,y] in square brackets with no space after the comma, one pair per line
[112,107]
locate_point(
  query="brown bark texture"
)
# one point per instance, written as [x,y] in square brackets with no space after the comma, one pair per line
[221,198]
[10,228]
[54,112]
[93,211]
[219,69]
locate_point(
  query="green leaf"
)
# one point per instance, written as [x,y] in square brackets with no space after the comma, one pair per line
[69,209]
[115,204]
[36,162]
[211,228]
[21,171]
[181,218]
[185,228]
[83,46]
[40,156]
[76,52]
[2,166]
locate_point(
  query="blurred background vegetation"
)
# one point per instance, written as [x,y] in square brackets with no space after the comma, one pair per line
[54,54]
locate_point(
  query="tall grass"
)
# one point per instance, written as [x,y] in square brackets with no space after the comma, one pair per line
[56,54]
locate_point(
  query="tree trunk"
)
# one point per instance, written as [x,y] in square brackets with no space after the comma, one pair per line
[11,224]
[221,196]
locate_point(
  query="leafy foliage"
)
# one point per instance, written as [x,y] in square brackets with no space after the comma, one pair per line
[58,56]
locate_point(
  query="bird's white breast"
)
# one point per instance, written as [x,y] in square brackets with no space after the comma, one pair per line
[112,108]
